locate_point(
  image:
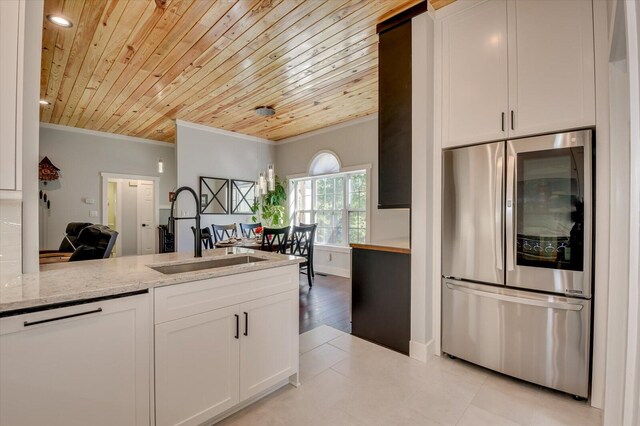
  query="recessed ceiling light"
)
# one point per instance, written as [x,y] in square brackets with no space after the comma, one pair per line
[265,111]
[59,20]
[43,102]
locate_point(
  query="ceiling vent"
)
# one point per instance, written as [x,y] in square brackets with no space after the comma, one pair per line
[265,111]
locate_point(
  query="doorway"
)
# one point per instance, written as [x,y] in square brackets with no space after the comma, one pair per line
[130,207]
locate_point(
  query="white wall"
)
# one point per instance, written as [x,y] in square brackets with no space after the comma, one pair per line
[82,156]
[355,143]
[204,151]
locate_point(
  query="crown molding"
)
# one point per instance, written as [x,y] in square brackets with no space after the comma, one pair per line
[224,132]
[89,132]
[342,125]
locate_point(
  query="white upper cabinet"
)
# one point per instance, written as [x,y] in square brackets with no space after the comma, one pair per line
[531,60]
[10,160]
[474,74]
[551,66]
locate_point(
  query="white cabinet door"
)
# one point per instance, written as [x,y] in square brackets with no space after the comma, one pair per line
[551,66]
[474,74]
[269,342]
[197,367]
[9,23]
[82,365]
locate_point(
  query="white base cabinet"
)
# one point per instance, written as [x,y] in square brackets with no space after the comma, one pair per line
[86,364]
[220,342]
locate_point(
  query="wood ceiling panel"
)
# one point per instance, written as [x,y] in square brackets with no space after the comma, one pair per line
[134,66]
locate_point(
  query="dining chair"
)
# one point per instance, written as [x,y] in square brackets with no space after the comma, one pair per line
[248,230]
[275,239]
[313,242]
[302,245]
[224,232]
[205,234]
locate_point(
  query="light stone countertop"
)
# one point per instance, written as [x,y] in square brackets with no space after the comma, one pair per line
[76,281]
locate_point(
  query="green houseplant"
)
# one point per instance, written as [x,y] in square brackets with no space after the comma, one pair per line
[270,208]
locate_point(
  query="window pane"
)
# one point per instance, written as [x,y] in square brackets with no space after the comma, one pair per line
[303,195]
[358,191]
[329,227]
[357,226]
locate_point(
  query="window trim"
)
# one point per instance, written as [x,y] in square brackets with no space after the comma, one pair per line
[345,171]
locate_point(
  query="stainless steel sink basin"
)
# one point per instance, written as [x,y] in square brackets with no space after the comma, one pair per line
[207,264]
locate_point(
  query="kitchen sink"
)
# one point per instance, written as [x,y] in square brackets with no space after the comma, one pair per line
[206,264]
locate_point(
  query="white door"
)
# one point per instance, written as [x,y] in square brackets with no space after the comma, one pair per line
[92,368]
[146,219]
[9,22]
[474,75]
[197,367]
[551,66]
[269,342]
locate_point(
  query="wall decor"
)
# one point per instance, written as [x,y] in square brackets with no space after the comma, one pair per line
[242,196]
[214,195]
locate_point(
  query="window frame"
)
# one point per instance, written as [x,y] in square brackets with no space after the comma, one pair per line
[345,173]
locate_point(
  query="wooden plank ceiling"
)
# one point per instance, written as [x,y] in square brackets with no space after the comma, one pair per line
[133,66]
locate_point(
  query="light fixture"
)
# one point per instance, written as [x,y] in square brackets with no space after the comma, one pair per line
[44,102]
[262,184]
[265,111]
[271,177]
[60,21]
[160,166]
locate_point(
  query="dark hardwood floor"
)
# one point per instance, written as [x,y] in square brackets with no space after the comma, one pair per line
[327,302]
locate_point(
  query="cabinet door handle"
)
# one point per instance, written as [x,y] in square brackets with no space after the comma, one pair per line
[237,336]
[79,314]
[503,121]
[513,125]
[246,324]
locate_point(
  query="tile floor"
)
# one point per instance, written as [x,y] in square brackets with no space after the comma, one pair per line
[348,381]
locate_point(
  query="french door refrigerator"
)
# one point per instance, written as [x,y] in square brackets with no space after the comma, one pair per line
[516,258]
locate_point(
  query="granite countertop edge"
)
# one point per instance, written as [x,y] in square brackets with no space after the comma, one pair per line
[80,281]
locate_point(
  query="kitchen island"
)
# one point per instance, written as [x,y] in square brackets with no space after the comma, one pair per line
[159,339]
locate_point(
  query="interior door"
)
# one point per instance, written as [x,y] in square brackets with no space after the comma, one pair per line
[197,367]
[472,218]
[548,213]
[269,342]
[146,219]
[474,75]
[551,66]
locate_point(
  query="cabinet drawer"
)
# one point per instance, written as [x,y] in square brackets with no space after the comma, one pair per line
[181,300]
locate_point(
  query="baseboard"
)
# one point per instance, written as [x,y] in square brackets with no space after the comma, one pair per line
[421,351]
[332,270]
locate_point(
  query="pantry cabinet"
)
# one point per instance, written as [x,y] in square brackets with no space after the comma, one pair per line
[86,364]
[516,68]
[11,22]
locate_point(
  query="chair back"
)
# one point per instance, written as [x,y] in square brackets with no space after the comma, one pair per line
[302,240]
[275,239]
[205,235]
[72,231]
[249,229]
[224,232]
[94,242]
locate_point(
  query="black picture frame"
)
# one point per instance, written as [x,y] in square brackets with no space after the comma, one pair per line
[242,196]
[214,195]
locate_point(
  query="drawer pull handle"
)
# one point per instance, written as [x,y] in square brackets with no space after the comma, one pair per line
[237,336]
[246,324]
[79,314]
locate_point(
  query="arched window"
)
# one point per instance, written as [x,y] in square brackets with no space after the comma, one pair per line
[324,163]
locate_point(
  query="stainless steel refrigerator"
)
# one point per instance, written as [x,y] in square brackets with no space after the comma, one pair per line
[516,258]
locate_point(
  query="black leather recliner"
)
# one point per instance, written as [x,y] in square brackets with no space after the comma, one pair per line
[94,242]
[72,231]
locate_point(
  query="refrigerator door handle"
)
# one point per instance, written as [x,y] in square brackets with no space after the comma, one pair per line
[521,300]
[510,243]
[499,214]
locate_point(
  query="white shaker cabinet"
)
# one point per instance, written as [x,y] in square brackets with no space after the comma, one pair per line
[11,18]
[197,367]
[516,68]
[474,74]
[269,344]
[86,364]
[551,66]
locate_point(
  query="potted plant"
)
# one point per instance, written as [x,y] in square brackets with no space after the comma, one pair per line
[270,208]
